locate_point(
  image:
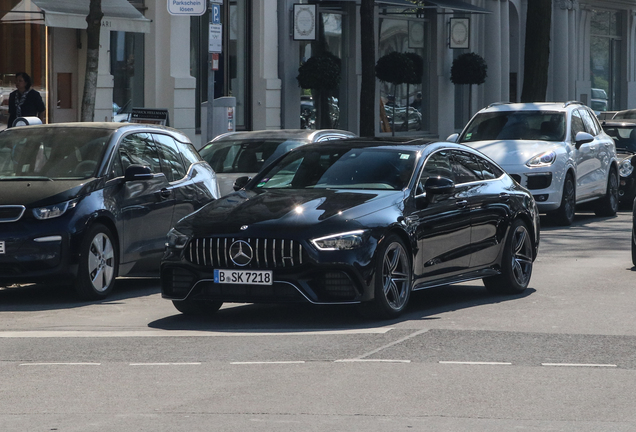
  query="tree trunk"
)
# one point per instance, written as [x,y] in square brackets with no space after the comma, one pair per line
[367,61]
[94,20]
[537,51]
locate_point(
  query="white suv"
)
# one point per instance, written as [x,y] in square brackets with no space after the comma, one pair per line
[556,150]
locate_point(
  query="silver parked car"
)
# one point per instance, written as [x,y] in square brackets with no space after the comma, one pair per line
[237,154]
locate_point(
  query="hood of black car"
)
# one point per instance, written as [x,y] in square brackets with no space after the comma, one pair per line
[43,192]
[248,212]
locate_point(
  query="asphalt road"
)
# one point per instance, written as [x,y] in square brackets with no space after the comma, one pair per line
[560,357]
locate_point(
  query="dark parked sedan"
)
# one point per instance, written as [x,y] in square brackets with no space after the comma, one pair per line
[356,222]
[624,134]
[84,203]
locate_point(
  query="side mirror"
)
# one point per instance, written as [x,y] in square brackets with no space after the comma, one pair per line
[453,138]
[582,138]
[240,182]
[137,172]
[439,186]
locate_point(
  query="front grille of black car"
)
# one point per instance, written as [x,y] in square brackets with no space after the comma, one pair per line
[11,213]
[267,253]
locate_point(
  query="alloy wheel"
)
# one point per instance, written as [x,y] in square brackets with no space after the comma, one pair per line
[101,262]
[521,255]
[395,277]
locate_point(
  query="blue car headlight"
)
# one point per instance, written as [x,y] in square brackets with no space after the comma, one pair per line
[176,239]
[543,159]
[343,241]
[625,169]
[53,211]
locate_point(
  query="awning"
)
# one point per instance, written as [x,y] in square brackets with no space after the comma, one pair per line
[454,5]
[119,15]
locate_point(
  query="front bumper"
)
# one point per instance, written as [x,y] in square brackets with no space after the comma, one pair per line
[34,254]
[333,277]
[545,185]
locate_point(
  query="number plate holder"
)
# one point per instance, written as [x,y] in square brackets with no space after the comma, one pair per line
[243,277]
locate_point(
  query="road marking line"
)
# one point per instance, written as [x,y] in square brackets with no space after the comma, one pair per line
[405,338]
[359,360]
[165,364]
[267,362]
[579,364]
[181,333]
[475,363]
[60,364]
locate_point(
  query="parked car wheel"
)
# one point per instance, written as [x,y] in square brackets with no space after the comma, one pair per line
[634,246]
[196,308]
[608,205]
[392,281]
[516,265]
[564,215]
[98,264]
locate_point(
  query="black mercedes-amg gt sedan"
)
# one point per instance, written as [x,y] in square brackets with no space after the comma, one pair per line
[357,221]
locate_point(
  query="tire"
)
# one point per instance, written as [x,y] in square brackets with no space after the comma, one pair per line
[634,246]
[98,264]
[516,264]
[392,281]
[564,215]
[608,204]
[197,308]
[634,233]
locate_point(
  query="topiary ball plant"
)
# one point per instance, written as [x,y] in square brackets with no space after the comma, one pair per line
[395,68]
[321,73]
[417,70]
[469,68]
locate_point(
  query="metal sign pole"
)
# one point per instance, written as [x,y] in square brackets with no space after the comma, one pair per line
[215,37]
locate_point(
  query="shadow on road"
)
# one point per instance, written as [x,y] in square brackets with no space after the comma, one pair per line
[289,318]
[36,297]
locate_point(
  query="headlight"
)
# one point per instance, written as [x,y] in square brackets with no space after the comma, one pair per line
[543,159]
[176,239]
[625,169]
[53,211]
[343,241]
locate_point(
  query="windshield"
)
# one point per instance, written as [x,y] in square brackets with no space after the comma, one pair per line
[341,168]
[51,153]
[624,137]
[247,157]
[516,125]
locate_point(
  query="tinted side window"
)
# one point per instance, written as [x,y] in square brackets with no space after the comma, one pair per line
[577,124]
[590,126]
[172,164]
[189,154]
[466,168]
[489,171]
[437,165]
[139,149]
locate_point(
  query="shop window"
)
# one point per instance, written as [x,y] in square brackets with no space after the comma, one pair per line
[320,110]
[405,107]
[127,68]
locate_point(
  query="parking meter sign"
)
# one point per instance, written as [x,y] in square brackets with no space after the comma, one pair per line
[215,39]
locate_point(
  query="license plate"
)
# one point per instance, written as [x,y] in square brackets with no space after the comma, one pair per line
[2,247]
[244,277]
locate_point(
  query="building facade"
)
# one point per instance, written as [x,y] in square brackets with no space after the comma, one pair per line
[150,58]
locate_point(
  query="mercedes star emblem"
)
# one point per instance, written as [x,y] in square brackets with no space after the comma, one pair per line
[241,253]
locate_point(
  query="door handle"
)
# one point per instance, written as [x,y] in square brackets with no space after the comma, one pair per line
[164,193]
[461,203]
